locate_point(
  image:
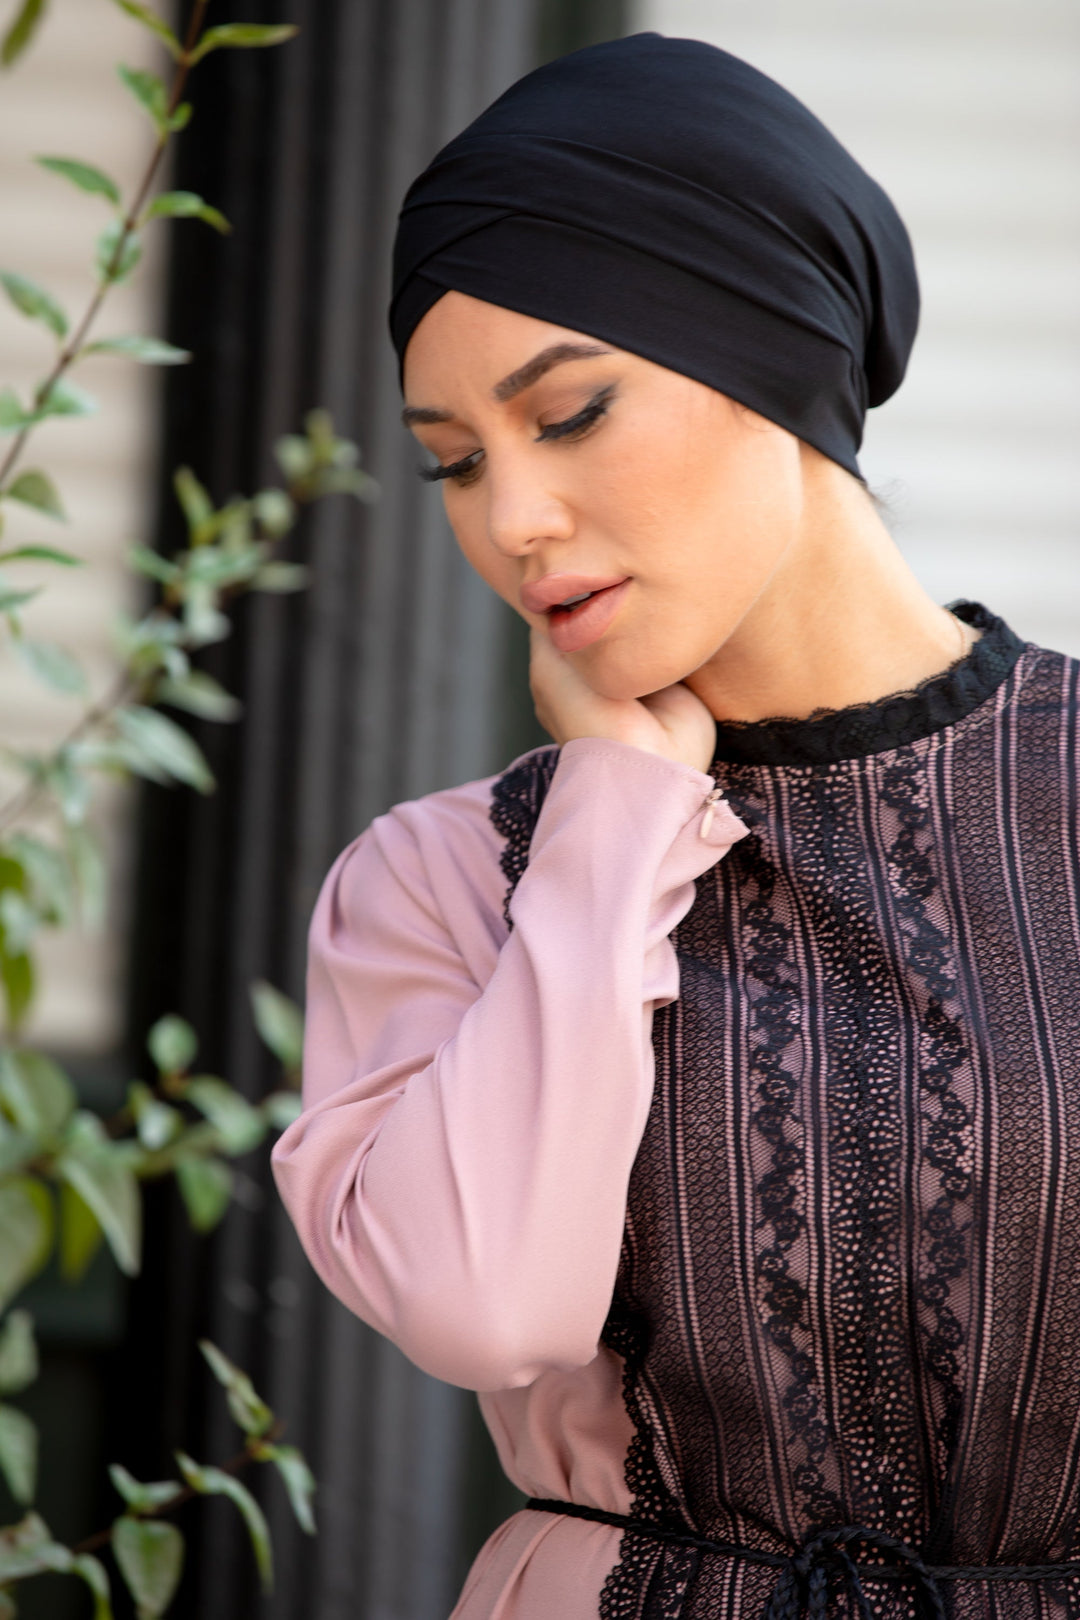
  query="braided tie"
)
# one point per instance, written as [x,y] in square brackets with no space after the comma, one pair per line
[803,1583]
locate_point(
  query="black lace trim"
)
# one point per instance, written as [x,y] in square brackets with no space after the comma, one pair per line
[829,735]
[516,801]
[651,1577]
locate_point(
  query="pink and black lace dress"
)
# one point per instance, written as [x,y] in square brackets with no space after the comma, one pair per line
[845,1174]
[849,1294]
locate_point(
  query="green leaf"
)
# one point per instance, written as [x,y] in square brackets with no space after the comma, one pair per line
[166,745]
[35,1093]
[242,36]
[80,1234]
[154,565]
[187,205]
[18,980]
[48,875]
[28,1223]
[10,600]
[294,456]
[88,874]
[32,300]
[155,1122]
[180,119]
[42,554]
[196,504]
[200,694]
[150,1556]
[206,1188]
[12,414]
[248,1410]
[143,1498]
[53,666]
[69,785]
[22,1546]
[148,642]
[117,252]
[274,511]
[149,92]
[88,1569]
[35,488]
[117,755]
[98,1172]
[16,1148]
[280,1023]
[219,566]
[22,30]
[83,175]
[281,1108]
[344,481]
[18,1453]
[156,24]
[240,1126]
[281,577]
[65,399]
[172,1043]
[299,1482]
[19,922]
[18,1353]
[150,351]
[215,1482]
[203,620]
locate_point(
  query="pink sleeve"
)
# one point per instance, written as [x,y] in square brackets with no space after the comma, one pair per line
[472,1112]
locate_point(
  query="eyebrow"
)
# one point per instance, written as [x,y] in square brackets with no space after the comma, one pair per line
[555,355]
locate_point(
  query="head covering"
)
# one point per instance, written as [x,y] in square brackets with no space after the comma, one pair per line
[666,197]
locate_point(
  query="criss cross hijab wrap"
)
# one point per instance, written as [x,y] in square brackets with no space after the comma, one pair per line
[664,196]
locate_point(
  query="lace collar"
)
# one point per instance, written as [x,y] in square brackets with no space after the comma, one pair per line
[829,735]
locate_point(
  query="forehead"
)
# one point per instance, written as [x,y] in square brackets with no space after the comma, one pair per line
[465,344]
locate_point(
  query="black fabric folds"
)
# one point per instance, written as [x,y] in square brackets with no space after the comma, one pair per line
[666,197]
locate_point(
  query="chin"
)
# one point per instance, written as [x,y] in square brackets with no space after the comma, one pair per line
[621,674]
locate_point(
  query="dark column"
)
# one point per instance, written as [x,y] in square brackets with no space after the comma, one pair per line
[396,673]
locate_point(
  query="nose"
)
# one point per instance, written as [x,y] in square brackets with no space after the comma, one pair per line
[523,509]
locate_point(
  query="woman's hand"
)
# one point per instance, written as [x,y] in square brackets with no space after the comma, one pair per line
[673,723]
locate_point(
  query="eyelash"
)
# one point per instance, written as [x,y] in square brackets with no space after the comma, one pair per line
[573,427]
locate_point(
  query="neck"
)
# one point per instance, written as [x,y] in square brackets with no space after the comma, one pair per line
[842,621]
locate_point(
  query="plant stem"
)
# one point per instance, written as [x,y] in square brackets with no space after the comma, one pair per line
[27,796]
[235,1465]
[124,687]
[76,340]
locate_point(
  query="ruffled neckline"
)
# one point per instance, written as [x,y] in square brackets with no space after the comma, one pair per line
[831,735]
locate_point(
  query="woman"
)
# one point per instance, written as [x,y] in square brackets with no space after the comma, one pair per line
[704,1090]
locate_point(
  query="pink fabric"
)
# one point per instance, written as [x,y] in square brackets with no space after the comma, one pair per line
[473,1105]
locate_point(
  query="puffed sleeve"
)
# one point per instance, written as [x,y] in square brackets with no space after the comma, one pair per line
[459,1173]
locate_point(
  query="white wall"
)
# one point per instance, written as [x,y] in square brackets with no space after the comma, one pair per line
[968,113]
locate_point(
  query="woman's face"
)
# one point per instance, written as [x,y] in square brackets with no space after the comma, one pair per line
[571,466]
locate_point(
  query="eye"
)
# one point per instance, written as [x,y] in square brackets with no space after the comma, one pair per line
[576,426]
[462,472]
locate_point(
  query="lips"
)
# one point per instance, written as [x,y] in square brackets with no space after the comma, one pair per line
[572,628]
[556,589]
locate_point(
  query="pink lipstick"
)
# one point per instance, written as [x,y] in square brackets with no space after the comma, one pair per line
[579,607]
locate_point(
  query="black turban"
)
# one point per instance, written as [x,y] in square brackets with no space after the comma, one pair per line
[663,196]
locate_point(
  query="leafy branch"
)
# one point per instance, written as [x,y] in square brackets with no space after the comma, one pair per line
[148,1551]
[70,1180]
[118,246]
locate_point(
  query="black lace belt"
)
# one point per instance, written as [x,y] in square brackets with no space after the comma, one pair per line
[802,1582]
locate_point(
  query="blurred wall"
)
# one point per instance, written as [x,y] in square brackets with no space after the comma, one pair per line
[968,113]
[63,98]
